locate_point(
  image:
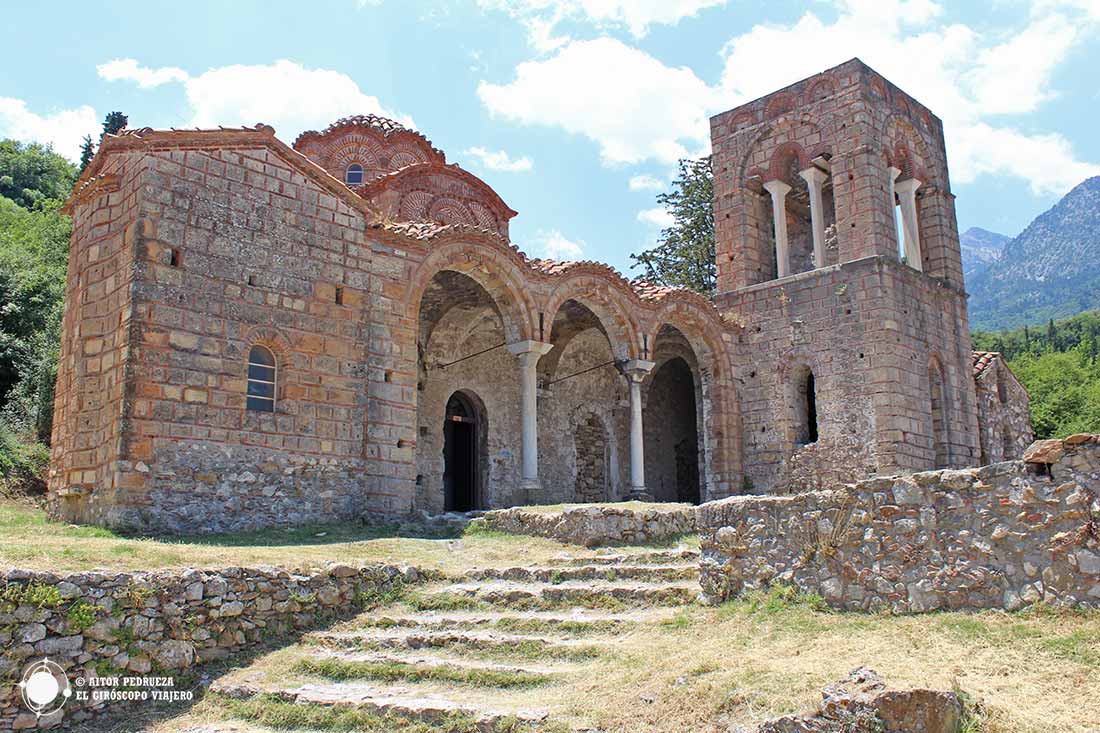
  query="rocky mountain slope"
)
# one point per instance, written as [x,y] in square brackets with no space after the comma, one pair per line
[1049,271]
[980,249]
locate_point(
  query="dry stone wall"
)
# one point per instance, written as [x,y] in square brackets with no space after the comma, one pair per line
[593,526]
[167,623]
[1001,536]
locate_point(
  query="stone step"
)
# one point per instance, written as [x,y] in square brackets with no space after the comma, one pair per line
[434,658]
[654,557]
[592,594]
[648,572]
[403,701]
[575,621]
[522,645]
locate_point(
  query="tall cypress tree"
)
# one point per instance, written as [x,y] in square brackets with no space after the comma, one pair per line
[87,152]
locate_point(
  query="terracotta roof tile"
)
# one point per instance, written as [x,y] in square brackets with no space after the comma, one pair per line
[982,359]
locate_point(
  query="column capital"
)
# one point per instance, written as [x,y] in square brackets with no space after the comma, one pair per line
[528,347]
[894,173]
[909,185]
[813,175]
[777,188]
[637,368]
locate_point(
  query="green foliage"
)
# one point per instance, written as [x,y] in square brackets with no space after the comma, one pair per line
[684,255]
[31,173]
[33,594]
[390,671]
[87,152]
[113,122]
[81,614]
[1059,368]
[374,597]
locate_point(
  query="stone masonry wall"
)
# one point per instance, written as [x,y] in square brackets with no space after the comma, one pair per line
[1004,417]
[165,623]
[1001,536]
[593,526]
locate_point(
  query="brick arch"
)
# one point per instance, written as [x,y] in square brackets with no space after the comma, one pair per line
[906,149]
[763,139]
[722,432]
[282,348]
[611,307]
[825,86]
[779,104]
[778,167]
[448,210]
[493,270]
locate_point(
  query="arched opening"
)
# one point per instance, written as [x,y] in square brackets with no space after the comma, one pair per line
[1008,449]
[468,444]
[582,425]
[353,176]
[261,379]
[461,455]
[590,444]
[938,407]
[671,423]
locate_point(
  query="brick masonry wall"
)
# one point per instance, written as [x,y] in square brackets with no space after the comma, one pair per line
[1000,536]
[165,623]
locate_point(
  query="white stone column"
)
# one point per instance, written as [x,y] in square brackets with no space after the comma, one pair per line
[779,190]
[635,371]
[907,194]
[894,173]
[815,181]
[529,353]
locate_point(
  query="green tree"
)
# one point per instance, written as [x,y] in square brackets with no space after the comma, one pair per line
[30,173]
[113,122]
[684,255]
[87,152]
[33,257]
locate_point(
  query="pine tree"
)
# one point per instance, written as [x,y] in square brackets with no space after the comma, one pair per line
[1052,333]
[87,152]
[684,255]
[114,122]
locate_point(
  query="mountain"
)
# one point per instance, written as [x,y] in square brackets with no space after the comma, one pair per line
[1049,271]
[980,248]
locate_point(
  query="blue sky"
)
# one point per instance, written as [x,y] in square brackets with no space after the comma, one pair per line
[575,111]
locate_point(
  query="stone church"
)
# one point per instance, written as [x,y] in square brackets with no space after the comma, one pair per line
[259,334]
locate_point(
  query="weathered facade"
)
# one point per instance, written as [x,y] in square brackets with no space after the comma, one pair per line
[260,334]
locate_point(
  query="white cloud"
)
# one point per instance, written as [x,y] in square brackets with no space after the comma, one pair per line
[499,160]
[637,16]
[646,183]
[628,102]
[146,78]
[658,217]
[553,244]
[962,75]
[64,129]
[284,94]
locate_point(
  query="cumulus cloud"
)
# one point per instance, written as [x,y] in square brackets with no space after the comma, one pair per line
[499,160]
[143,76]
[646,183]
[636,16]
[658,217]
[962,76]
[64,130]
[632,105]
[284,94]
[553,244]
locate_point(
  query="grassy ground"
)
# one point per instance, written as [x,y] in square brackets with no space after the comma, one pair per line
[634,506]
[28,540]
[706,669]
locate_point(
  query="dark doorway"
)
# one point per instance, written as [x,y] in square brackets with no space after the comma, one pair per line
[672,434]
[460,470]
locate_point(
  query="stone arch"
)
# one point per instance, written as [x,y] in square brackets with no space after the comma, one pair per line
[718,403]
[796,370]
[490,269]
[610,307]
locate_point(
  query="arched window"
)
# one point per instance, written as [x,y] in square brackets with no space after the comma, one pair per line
[353,176]
[805,407]
[811,408]
[261,379]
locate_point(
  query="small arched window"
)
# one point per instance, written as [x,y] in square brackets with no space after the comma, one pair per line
[353,176]
[811,408]
[261,379]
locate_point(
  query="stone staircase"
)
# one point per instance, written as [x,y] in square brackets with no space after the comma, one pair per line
[479,653]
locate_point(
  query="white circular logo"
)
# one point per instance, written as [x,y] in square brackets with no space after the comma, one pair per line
[45,687]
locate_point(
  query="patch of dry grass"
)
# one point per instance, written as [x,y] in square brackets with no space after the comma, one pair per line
[28,540]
